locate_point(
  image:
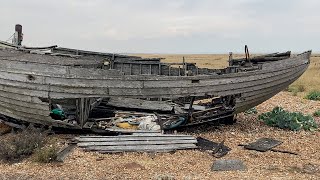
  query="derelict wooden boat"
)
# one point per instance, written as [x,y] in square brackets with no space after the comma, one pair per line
[31,79]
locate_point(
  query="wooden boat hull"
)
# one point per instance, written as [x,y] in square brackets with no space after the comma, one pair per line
[26,78]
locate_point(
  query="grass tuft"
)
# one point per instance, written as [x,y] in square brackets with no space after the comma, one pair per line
[313,95]
[46,154]
[317,113]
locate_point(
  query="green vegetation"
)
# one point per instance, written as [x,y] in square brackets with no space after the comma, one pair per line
[296,89]
[21,145]
[294,121]
[317,113]
[251,111]
[313,95]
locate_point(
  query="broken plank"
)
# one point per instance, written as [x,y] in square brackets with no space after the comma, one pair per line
[130,131]
[64,152]
[284,151]
[139,104]
[195,107]
[136,143]
[263,144]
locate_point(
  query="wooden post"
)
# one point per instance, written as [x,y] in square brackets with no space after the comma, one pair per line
[17,36]
[230,59]
[190,111]
[169,70]
[82,110]
[184,66]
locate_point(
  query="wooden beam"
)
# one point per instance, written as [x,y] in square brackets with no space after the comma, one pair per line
[64,152]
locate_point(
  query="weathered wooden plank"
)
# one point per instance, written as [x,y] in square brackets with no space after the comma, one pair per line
[164,77]
[30,110]
[146,150]
[139,135]
[41,106]
[242,105]
[178,92]
[56,88]
[136,143]
[211,82]
[45,59]
[157,91]
[84,52]
[21,97]
[35,118]
[31,78]
[37,93]
[136,138]
[142,147]
[64,152]
[139,104]
[129,130]
[246,104]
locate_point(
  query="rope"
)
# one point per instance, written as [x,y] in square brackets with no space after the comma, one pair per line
[10,38]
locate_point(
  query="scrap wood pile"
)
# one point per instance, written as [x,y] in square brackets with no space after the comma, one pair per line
[153,142]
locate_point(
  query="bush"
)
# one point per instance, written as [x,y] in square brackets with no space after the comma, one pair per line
[301,88]
[296,88]
[314,95]
[46,154]
[21,145]
[317,113]
[294,121]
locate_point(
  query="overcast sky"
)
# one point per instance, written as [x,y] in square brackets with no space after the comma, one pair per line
[166,26]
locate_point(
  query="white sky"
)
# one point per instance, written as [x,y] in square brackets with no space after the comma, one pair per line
[166,26]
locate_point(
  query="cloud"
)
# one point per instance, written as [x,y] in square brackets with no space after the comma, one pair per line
[165,26]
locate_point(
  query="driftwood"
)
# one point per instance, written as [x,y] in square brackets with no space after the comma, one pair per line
[283,151]
[64,152]
[276,150]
